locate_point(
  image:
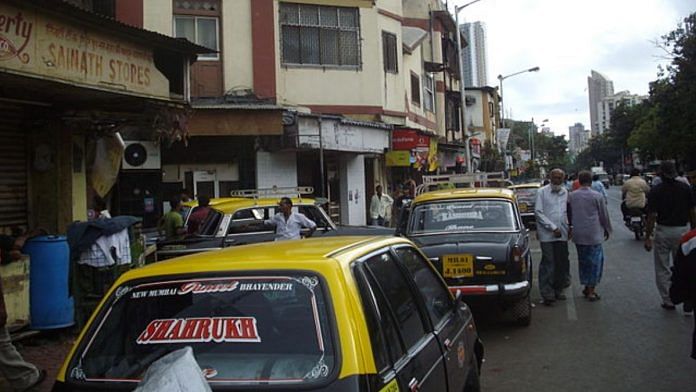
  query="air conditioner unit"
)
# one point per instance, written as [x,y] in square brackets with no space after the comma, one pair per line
[141,155]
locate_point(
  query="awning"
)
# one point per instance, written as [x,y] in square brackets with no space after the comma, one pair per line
[411,38]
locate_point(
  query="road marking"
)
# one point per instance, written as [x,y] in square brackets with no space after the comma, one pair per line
[570,304]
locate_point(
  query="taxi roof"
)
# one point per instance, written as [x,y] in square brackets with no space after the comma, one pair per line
[464,193]
[526,185]
[233,204]
[292,255]
[213,202]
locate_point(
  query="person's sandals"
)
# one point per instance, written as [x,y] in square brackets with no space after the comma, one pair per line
[39,380]
[593,297]
[585,292]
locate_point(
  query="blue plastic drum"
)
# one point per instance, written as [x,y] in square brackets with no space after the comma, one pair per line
[50,304]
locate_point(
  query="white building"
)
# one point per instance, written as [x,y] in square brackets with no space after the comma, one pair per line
[598,87]
[578,138]
[608,104]
[474,56]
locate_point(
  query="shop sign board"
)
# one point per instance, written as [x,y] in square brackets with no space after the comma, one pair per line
[408,139]
[34,44]
[398,158]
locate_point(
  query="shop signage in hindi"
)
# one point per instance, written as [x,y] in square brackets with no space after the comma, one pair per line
[33,43]
[407,139]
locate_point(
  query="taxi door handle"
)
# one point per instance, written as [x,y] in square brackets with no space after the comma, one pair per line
[413,385]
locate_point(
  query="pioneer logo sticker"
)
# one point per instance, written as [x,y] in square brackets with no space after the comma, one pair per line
[200,330]
[201,288]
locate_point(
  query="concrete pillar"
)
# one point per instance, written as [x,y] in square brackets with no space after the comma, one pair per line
[352,188]
[276,169]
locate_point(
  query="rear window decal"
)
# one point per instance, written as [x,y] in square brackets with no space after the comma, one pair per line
[200,330]
[266,287]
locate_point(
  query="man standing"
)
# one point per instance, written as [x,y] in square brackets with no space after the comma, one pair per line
[552,230]
[198,214]
[288,223]
[683,287]
[670,205]
[380,207]
[596,186]
[172,223]
[633,193]
[589,220]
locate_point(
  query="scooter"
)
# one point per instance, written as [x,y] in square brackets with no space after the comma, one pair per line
[635,221]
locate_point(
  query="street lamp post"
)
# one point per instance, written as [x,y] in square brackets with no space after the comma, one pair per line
[462,90]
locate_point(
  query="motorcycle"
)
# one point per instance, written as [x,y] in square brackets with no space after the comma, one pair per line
[635,221]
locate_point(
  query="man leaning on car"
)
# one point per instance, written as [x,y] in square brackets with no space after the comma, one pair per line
[552,230]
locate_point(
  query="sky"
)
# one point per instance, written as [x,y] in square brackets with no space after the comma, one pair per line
[567,39]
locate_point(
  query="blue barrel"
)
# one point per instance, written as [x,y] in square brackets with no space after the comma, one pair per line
[49,301]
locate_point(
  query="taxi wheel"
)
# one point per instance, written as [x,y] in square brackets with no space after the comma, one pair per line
[521,311]
[473,383]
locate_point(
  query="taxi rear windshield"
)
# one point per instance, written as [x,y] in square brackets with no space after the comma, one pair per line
[527,195]
[463,215]
[244,330]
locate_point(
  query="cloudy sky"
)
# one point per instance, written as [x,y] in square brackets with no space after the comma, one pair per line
[567,39]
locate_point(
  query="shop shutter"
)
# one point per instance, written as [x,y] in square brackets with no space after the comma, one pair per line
[13,168]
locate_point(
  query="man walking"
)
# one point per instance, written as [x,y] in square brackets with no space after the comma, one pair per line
[172,223]
[380,207]
[552,231]
[590,222]
[670,205]
[288,224]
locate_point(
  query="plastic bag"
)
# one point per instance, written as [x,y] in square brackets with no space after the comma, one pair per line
[177,371]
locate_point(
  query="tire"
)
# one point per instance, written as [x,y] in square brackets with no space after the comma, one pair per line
[473,382]
[637,234]
[521,311]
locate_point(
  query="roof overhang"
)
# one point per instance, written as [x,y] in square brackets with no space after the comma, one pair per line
[412,37]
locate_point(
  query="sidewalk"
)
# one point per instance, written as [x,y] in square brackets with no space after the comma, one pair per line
[47,351]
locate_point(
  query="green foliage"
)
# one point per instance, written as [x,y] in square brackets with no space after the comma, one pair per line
[491,160]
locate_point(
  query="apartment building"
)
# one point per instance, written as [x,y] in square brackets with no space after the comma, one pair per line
[340,95]
[599,86]
[579,138]
[609,103]
[483,106]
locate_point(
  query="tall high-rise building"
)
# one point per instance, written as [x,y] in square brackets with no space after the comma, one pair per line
[474,56]
[608,104]
[578,138]
[598,88]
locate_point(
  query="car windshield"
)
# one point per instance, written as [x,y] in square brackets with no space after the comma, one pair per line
[463,215]
[243,329]
[526,195]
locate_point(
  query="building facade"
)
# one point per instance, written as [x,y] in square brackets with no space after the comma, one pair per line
[608,104]
[598,87]
[483,106]
[578,139]
[475,56]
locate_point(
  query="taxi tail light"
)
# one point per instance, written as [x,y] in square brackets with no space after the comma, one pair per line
[517,254]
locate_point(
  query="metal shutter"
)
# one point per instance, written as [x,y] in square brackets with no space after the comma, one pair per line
[13,168]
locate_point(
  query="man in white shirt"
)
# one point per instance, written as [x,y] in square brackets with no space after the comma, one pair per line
[380,207]
[551,210]
[288,223]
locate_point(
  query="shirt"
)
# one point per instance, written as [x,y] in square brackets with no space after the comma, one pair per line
[590,218]
[196,218]
[551,210]
[172,221]
[672,201]
[380,206]
[635,189]
[598,187]
[290,229]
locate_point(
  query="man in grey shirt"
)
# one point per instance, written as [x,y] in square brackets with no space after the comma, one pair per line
[591,226]
[552,231]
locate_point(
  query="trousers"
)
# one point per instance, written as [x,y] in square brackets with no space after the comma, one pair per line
[554,269]
[20,373]
[666,244]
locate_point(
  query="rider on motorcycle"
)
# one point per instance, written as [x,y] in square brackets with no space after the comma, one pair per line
[633,194]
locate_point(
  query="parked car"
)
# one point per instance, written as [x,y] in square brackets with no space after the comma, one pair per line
[476,239]
[330,314]
[526,198]
[240,221]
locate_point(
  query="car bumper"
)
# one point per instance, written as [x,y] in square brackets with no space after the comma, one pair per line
[517,289]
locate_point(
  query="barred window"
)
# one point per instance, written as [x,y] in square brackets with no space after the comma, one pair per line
[389,52]
[320,35]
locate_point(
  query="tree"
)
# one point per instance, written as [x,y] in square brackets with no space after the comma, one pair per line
[491,160]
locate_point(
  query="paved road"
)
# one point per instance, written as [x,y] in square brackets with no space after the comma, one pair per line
[624,342]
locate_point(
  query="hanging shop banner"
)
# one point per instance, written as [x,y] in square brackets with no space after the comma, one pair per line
[398,158]
[475,145]
[432,156]
[502,135]
[36,44]
[408,139]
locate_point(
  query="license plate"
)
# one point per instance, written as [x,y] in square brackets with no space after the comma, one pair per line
[458,266]
[636,219]
[523,207]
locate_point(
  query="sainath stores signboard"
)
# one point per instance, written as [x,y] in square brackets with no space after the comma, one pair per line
[34,44]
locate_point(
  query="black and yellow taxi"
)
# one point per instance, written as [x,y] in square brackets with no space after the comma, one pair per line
[526,199]
[476,239]
[330,314]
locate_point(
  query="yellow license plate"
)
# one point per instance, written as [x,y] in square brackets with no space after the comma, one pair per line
[458,266]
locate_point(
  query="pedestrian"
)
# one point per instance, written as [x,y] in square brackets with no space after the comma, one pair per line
[597,186]
[682,178]
[670,206]
[552,230]
[633,193]
[198,214]
[288,224]
[380,207]
[683,288]
[172,223]
[22,375]
[589,221]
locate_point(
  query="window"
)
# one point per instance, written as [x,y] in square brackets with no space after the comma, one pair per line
[399,297]
[415,89]
[318,35]
[464,215]
[437,298]
[428,93]
[389,52]
[200,30]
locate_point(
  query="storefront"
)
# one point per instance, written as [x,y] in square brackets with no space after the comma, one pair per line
[71,81]
[413,154]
